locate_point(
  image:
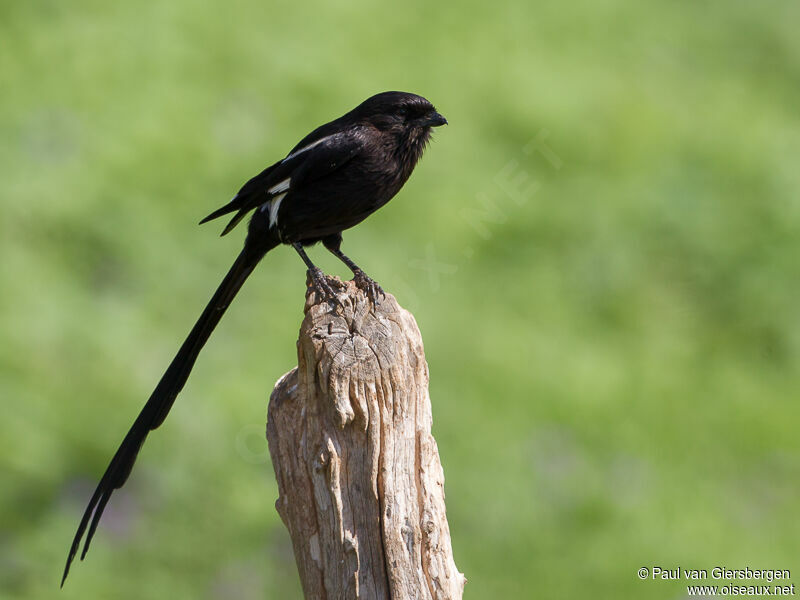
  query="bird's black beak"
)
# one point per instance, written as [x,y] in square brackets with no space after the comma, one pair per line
[434,119]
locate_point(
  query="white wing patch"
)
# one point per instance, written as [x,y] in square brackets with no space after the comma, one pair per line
[281,186]
[274,205]
[307,148]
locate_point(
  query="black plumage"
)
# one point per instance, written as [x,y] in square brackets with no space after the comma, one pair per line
[330,181]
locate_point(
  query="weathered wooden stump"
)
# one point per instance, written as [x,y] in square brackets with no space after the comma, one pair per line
[360,482]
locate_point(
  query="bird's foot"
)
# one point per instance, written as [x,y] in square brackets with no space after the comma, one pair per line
[320,283]
[368,286]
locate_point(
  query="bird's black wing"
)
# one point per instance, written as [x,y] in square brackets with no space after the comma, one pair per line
[314,157]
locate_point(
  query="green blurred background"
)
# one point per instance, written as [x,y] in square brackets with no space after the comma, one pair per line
[601,251]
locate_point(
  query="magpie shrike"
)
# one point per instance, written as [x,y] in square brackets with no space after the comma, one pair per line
[333,179]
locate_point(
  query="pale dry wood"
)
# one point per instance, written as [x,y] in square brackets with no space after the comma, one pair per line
[360,481]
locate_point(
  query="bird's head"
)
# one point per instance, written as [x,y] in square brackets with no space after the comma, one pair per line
[401,113]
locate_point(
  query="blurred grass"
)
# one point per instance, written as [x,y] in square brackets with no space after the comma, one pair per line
[614,354]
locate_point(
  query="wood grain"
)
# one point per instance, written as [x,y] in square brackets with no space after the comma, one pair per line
[361,487]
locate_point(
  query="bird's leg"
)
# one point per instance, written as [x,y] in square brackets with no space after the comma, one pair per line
[362,281]
[319,280]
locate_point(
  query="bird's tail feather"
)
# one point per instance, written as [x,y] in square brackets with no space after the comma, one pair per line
[162,398]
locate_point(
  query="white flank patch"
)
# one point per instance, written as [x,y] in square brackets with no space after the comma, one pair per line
[306,148]
[280,187]
[274,205]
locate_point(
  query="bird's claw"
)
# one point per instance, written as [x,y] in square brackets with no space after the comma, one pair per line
[321,284]
[368,286]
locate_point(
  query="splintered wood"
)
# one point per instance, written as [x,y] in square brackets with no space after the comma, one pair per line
[360,482]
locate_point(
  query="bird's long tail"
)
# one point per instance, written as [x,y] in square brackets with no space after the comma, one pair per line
[157,407]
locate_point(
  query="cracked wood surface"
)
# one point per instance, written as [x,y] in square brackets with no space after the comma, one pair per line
[361,488]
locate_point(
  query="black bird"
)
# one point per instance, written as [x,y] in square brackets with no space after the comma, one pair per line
[333,179]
